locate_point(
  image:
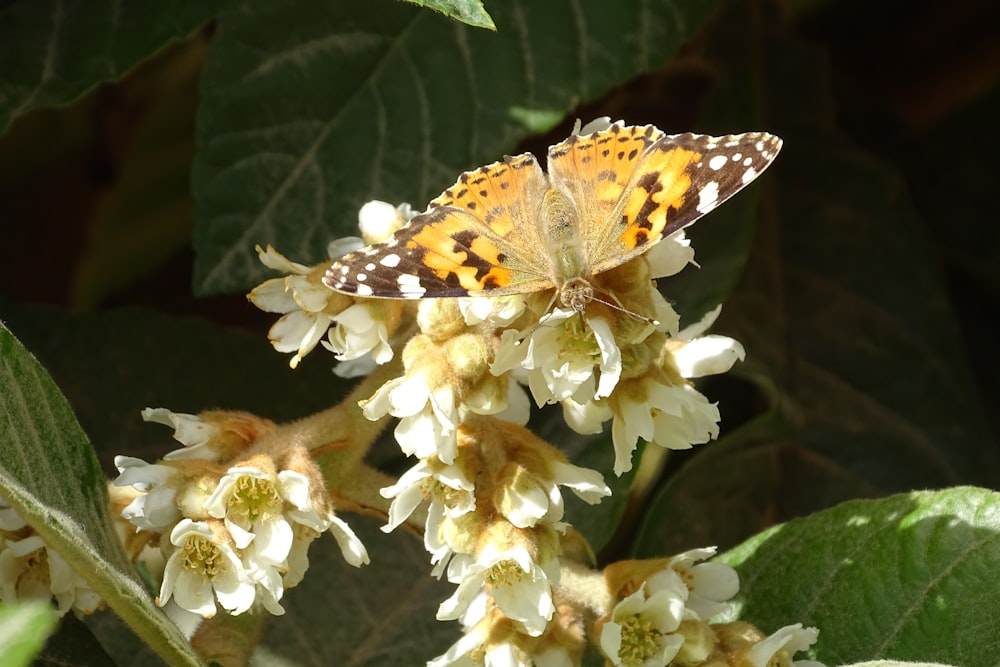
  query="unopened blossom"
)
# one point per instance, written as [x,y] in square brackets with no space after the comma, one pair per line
[499,311]
[378,221]
[204,567]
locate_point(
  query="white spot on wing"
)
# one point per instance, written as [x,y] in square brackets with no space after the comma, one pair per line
[410,285]
[708,196]
[750,174]
[717,162]
[364,290]
[391,260]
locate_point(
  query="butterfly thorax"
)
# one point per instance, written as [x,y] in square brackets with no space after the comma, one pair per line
[560,225]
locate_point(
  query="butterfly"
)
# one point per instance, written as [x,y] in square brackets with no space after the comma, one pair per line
[510,228]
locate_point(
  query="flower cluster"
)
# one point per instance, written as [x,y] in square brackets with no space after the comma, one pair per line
[661,612]
[485,490]
[357,332]
[238,507]
[29,569]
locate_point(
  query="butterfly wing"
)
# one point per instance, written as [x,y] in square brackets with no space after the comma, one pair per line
[634,185]
[479,236]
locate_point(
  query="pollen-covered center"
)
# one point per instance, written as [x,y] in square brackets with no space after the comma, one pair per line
[504,573]
[253,499]
[203,557]
[640,640]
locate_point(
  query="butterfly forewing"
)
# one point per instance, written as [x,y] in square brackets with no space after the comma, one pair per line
[470,240]
[679,179]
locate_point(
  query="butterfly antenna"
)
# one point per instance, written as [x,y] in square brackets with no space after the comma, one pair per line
[622,309]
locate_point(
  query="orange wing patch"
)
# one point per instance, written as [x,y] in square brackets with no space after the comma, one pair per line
[495,193]
[661,187]
[595,168]
[456,255]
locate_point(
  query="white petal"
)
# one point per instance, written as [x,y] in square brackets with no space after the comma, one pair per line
[708,355]
[352,549]
[272,296]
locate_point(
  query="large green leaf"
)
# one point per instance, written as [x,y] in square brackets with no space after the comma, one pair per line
[861,379]
[49,474]
[53,51]
[910,577]
[310,109]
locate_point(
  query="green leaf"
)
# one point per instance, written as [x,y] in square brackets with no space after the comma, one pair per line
[466,11]
[49,474]
[53,51]
[310,109]
[910,577]
[24,626]
[857,368]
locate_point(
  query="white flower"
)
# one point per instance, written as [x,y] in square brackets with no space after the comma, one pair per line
[262,511]
[156,507]
[446,486]
[710,585]
[531,498]
[700,355]
[29,569]
[201,568]
[777,650]
[674,417]
[521,588]
[301,298]
[189,430]
[560,357]
[641,629]
[670,255]
[428,417]
[249,501]
[360,331]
